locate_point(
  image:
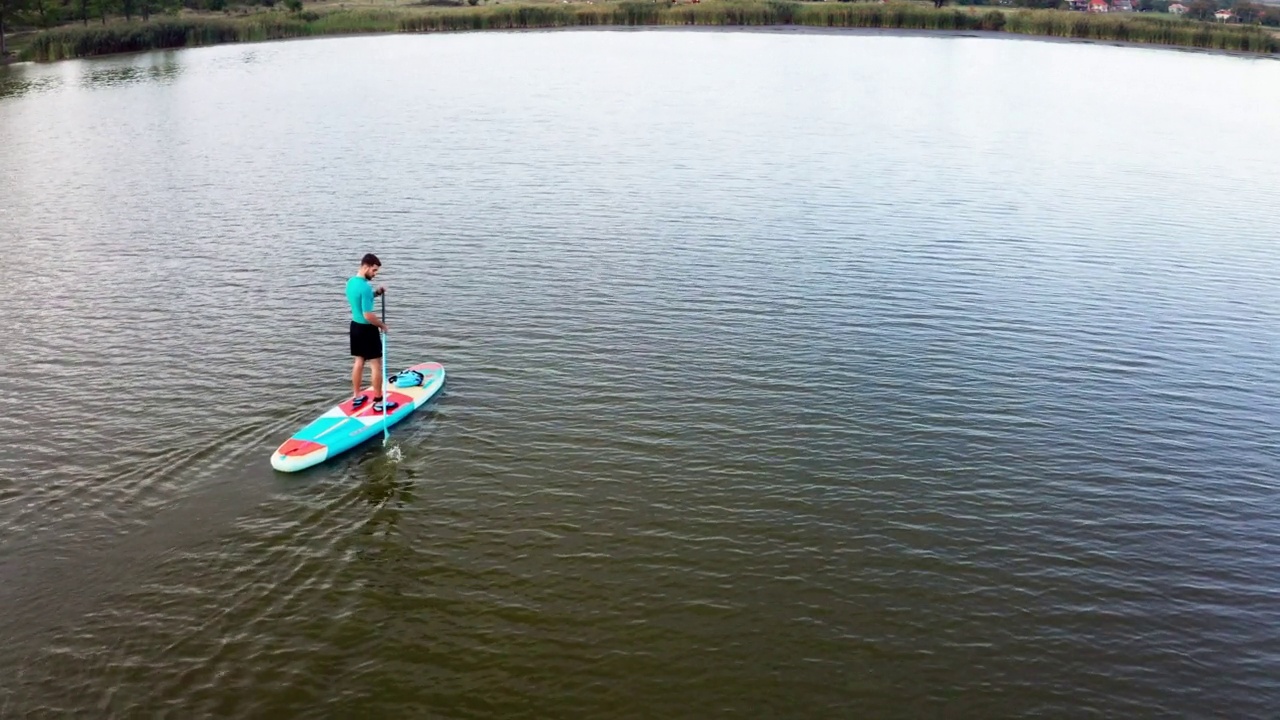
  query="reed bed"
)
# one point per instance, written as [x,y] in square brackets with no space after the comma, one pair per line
[87,41]
[1143,29]
[79,41]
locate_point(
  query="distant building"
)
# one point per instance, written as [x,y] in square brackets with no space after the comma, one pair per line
[1121,6]
[1224,16]
[1098,6]
[1080,5]
[1177,9]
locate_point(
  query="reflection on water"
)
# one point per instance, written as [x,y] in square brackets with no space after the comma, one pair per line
[382,487]
[158,67]
[19,80]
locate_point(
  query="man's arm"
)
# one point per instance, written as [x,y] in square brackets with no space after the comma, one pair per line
[372,317]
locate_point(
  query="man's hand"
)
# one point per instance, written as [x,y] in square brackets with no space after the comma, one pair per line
[382,290]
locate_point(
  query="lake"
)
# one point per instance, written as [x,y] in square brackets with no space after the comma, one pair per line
[790,375]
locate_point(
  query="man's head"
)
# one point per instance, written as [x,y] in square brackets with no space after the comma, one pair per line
[369,266]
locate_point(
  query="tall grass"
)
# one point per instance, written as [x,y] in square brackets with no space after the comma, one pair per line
[79,41]
[901,16]
[1143,29]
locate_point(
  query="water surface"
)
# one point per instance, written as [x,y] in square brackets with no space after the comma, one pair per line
[791,375]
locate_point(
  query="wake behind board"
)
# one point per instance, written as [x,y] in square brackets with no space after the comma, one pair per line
[350,423]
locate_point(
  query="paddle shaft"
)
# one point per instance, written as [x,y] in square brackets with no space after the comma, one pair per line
[386,391]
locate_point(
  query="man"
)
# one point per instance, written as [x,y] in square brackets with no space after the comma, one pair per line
[366,343]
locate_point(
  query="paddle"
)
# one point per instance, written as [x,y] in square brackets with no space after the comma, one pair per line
[386,391]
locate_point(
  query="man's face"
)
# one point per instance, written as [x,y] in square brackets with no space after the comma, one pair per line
[370,271]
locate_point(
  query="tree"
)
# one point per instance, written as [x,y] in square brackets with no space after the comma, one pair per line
[44,12]
[1202,9]
[147,8]
[9,9]
[101,8]
[1247,11]
[128,8]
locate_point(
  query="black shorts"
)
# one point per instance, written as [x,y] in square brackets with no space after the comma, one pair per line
[365,341]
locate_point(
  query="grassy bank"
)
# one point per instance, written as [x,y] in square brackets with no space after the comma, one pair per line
[85,41]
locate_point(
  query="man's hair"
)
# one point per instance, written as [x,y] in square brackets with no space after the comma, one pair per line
[371,260]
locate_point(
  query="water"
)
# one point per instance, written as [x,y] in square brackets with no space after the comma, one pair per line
[791,375]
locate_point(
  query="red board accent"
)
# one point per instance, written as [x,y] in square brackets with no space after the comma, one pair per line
[295,448]
[367,410]
[348,410]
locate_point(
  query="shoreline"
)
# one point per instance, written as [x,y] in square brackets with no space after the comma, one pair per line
[907,32]
[14,60]
[73,42]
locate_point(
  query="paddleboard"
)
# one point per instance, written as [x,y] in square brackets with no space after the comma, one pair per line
[352,422]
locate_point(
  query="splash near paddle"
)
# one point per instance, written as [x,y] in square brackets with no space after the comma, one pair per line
[353,422]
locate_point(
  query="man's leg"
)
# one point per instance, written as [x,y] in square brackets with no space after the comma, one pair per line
[357,374]
[375,369]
